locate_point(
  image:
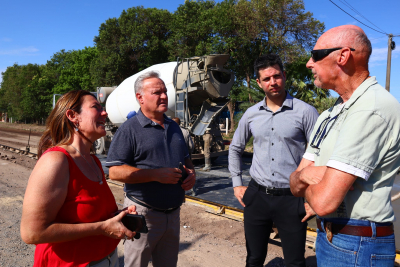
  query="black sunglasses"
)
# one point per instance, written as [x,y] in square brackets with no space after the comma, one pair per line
[324,128]
[321,53]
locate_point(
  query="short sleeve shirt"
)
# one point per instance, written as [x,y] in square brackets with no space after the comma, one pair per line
[144,144]
[366,137]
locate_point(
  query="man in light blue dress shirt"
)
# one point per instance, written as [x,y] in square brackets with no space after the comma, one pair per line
[281,126]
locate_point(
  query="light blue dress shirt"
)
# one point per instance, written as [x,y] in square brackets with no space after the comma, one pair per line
[280,139]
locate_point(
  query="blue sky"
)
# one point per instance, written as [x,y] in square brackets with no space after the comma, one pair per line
[32,31]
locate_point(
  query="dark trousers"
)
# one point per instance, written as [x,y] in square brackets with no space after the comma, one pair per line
[261,211]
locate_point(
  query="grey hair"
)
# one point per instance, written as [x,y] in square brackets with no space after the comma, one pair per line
[147,75]
[355,39]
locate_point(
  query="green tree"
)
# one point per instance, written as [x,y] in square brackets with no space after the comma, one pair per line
[300,82]
[16,80]
[142,37]
[255,92]
[71,70]
[192,31]
[237,93]
[112,64]
[55,67]
[238,36]
[8,85]
[37,96]
[27,90]
[258,27]
[3,102]
[325,103]
[129,44]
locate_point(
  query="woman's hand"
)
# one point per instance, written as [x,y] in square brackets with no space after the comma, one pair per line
[114,228]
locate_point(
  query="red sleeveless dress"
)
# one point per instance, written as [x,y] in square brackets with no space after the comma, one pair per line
[87,201]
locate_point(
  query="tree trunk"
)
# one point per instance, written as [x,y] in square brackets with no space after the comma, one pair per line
[231,108]
[248,86]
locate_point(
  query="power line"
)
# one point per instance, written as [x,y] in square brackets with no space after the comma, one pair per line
[357,19]
[356,11]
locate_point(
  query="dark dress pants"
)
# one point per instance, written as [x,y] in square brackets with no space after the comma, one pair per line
[261,211]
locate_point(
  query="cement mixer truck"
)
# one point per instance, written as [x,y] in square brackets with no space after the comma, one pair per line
[197,89]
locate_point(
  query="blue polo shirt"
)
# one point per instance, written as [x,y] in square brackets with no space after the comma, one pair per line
[144,144]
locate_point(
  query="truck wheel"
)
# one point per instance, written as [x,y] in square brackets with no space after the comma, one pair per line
[99,145]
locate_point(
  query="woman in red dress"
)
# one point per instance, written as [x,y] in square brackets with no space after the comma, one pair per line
[68,209]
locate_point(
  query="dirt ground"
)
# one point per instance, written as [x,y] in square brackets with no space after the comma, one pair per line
[39,128]
[206,239]
[36,128]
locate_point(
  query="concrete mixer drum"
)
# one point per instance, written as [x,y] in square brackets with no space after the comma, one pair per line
[202,86]
[197,89]
[201,79]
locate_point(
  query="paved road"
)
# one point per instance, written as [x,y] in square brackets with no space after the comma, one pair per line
[215,185]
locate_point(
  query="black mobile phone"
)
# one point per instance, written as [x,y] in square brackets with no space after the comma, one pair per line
[184,174]
[135,223]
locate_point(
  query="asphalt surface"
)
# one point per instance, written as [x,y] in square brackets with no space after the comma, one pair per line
[215,185]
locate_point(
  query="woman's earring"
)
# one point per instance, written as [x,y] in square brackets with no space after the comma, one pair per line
[76,127]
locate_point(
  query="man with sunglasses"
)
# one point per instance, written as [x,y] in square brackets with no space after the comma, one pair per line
[281,126]
[348,170]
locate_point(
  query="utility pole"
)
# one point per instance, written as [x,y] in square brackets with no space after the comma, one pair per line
[391,46]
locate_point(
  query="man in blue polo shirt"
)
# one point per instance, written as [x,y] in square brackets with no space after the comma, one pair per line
[145,154]
[281,126]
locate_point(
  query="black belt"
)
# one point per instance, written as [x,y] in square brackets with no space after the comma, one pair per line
[150,207]
[108,257]
[272,190]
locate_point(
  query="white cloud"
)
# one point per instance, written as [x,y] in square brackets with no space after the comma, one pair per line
[375,64]
[382,39]
[20,51]
[380,54]
[354,22]
[5,39]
